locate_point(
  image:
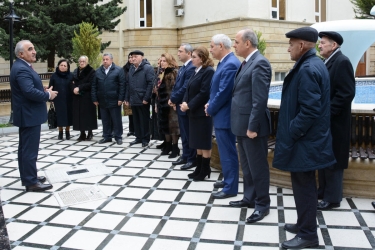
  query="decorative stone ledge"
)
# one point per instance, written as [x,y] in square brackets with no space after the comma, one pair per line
[358,178]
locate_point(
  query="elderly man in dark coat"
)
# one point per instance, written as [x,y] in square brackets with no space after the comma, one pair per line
[303,139]
[108,91]
[342,83]
[138,95]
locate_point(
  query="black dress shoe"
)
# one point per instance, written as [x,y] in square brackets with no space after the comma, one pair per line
[241,203]
[222,195]
[41,179]
[134,142]
[119,142]
[298,243]
[257,216]
[325,205]
[144,144]
[104,141]
[38,187]
[373,204]
[291,228]
[179,161]
[130,133]
[219,184]
[188,165]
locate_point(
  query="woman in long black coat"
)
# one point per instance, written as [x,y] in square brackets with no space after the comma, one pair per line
[60,81]
[200,125]
[84,110]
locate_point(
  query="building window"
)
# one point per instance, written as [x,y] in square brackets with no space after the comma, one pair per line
[320,11]
[278,9]
[279,76]
[145,13]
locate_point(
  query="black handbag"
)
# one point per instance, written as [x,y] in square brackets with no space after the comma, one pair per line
[52,117]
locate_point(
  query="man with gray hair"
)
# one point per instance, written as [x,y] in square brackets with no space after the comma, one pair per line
[29,108]
[188,157]
[108,91]
[219,107]
[251,123]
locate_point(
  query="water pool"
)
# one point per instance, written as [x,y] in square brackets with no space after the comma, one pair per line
[365,92]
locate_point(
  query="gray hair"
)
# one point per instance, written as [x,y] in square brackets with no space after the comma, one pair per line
[221,38]
[250,35]
[108,54]
[188,48]
[19,47]
[84,57]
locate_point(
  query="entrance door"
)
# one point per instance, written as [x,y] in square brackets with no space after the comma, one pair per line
[361,67]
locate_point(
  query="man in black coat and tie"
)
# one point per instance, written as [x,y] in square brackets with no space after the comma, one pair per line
[29,109]
[342,91]
[186,71]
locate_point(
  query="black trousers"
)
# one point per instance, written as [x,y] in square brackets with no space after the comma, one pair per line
[305,194]
[330,184]
[112,122]
[141,119]
[131,123]
[28,147]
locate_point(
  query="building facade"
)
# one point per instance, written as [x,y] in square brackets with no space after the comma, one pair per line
[158,26]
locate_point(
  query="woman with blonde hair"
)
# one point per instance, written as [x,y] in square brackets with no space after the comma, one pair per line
[84,110]
[167,115]
[200,126]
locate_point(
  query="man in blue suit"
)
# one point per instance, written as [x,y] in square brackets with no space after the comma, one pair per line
[186,71]
[29,109]
[219,107]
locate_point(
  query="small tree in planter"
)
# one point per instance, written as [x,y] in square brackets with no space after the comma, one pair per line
[88,43]
[261,42]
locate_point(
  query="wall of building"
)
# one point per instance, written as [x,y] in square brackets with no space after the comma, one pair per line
[155,41]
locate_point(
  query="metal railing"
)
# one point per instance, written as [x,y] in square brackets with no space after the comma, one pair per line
[5,94]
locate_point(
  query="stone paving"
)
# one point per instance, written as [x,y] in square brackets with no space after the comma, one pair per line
[152,204]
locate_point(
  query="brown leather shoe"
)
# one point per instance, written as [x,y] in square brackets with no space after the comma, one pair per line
[38,187]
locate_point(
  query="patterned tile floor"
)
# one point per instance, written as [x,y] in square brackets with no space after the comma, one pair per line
[152,205]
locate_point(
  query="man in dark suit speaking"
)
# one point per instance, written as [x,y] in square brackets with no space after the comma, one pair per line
[250,122]
[29,110]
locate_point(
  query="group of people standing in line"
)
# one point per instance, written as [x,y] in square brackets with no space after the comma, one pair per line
[190,101]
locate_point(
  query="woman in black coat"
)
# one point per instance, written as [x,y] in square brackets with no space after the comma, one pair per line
[60,81]
[84,111]
[200,126]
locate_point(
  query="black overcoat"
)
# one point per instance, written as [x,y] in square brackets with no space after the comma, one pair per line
[342,84]
[63,101]
[84,110]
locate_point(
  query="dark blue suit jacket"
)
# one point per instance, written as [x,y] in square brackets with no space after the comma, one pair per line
[28,96]
[221,91]
[179,88]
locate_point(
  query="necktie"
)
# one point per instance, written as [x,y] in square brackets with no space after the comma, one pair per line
[242,64]
[181,70]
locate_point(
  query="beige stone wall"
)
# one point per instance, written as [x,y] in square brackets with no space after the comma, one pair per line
[155,41]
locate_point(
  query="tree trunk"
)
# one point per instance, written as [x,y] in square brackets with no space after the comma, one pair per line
[51,61]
